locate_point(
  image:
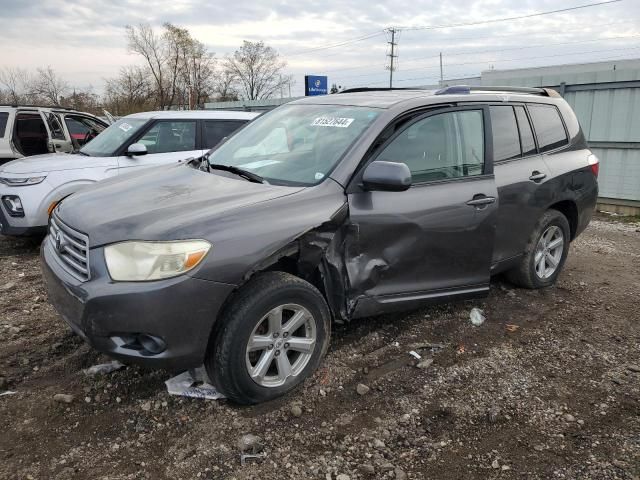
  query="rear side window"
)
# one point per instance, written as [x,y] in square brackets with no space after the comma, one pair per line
[506,141]
[4,116]
[526,134]
[216,130]
[549,128]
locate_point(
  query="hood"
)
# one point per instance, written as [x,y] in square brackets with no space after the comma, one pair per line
[51,162]
[164,204]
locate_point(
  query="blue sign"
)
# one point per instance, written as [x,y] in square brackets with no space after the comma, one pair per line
[315,85]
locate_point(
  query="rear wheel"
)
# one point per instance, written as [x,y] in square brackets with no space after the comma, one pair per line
[273,335]
[545,253]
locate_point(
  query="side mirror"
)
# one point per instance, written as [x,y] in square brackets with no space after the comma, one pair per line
[136,149]
[387,176]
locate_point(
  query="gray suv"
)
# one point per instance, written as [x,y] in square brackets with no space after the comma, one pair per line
[333,207]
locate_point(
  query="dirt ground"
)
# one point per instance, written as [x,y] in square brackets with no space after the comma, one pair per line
[547,387]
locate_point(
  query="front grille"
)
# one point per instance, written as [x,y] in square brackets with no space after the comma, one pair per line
[71,247]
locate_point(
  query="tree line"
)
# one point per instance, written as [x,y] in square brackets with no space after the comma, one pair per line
[174,71]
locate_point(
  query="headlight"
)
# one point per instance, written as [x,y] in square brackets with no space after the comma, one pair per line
[19,182]
[142,261]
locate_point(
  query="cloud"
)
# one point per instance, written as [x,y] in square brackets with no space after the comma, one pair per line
[84,39]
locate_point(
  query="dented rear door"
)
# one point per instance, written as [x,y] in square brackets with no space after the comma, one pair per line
[438,235]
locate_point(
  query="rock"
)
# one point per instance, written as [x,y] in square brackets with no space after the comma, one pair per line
[362,389]
[505,468]
[250,443]
[377,443]
[63,398]
[400,475]
[424,364]
[404,419]
[342,476]
[296,411]
[538,448]
[146,406]
[495,464]
[580,422]
[492,414]
[569,418]
[387,467]
[634,368]
[367,469]
[7,286]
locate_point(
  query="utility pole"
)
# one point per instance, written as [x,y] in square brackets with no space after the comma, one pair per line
[441,75]
[393,54]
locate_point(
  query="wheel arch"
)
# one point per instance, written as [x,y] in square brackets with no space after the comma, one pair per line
[569,209]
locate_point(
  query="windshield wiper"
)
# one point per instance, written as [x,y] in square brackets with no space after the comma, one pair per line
[252,177]
[82,153]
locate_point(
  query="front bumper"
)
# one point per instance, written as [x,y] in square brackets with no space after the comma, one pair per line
[180,311]
[7,228]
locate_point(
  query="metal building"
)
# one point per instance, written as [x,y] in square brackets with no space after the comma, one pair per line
[606,99]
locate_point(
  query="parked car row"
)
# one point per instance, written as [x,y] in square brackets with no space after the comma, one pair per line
[31,187]
[335,207]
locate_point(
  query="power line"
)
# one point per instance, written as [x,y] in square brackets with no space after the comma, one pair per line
[468,52]
[517,59]
[340,44]
[507,19]
[520,34]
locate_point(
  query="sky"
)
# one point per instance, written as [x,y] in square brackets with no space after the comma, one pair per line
[84,40]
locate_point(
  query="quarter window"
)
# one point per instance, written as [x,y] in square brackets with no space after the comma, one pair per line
[526,134]
[549,128]
[54,125]
[170,137]
[506,141]
[4,116]
[216,130]
[439,147]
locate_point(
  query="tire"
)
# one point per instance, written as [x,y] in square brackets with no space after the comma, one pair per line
[253,315]
[527,273]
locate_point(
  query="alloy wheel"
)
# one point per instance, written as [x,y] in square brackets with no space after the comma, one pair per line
[549,252]
[281,345]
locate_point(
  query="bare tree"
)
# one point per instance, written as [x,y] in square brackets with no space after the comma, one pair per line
[15,83]
[257,69]
[49,86]
[145,42]
[131,91]
[224,86]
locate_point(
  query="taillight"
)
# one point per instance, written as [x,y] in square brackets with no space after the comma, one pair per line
[594,163]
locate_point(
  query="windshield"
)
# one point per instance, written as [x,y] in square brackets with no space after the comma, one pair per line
[111,139]
[295,144]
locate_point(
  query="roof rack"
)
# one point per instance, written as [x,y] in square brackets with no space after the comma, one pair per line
[465,89]
[20,105]
[376,89]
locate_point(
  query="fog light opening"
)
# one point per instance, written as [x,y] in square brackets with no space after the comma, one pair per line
[141,342]
[13,204]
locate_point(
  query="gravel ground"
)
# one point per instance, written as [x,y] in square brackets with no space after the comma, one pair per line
[547,387]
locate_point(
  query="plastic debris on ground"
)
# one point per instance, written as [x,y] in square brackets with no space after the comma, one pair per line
[8,392]
[104,368]
[251,447]
[512,328]
[415,355]
[193,383]
[477,316]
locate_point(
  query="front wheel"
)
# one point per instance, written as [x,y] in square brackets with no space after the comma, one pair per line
[273,335]
[545,253]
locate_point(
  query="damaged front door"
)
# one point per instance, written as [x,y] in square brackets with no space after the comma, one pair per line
[436,238]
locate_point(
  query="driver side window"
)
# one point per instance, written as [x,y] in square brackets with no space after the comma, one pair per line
[439,147]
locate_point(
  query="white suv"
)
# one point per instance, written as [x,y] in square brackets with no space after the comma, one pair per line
[31,187]
[30,130]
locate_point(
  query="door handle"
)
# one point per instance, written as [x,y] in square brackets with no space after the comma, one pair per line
[536,176]
[479,201]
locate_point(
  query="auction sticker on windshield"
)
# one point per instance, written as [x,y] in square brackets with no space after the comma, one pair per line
[332,122]
[125,127]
